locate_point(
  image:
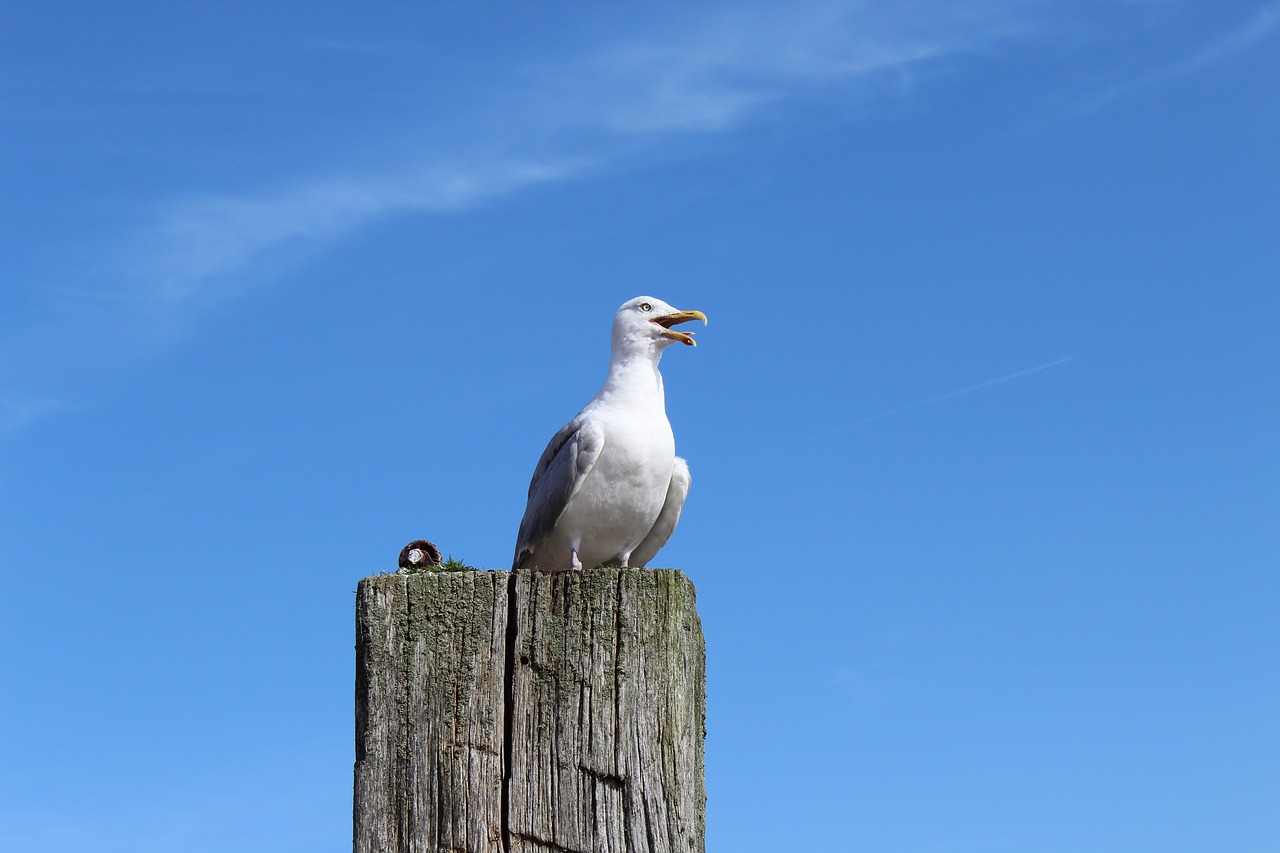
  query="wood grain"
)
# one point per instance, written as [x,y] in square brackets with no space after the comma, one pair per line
[559,712]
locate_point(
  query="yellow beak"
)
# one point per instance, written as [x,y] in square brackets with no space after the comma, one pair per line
[679,317]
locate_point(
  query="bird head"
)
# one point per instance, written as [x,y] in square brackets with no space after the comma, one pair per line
[646,322]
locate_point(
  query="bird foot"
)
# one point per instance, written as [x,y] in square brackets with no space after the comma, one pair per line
[577,564]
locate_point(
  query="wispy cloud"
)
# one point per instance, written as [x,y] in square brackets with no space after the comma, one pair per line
[713,75]
[969,389]
[18,413]
[707,73]
[1264,24]
[198,240]
[732,68]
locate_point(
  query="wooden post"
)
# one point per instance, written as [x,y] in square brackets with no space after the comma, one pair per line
[529,713]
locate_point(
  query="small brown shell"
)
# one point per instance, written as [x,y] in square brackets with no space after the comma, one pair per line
[419,554]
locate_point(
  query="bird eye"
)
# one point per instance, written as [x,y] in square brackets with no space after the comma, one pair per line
[645,306]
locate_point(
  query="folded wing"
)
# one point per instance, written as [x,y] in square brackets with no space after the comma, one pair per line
[569,457]
[667,518]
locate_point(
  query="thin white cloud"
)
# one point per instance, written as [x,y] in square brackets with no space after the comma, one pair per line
[198,240]
[18,413]
[1264,24]
[732,67]
[706,73]
[969,389]
[715,75]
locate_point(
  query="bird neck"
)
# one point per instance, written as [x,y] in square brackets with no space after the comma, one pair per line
[634,377]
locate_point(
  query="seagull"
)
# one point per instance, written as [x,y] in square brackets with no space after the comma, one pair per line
[609,488]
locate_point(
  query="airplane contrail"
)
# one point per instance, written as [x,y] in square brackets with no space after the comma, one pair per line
[970,388]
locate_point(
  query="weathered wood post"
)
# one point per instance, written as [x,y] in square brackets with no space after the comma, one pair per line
[529,713]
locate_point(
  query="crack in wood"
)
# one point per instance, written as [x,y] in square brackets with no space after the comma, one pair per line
[508,711]
[611,780]
[549,844]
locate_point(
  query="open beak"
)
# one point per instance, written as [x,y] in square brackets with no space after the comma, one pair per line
[679,317]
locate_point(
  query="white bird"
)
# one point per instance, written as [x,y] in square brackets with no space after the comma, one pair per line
[609,488]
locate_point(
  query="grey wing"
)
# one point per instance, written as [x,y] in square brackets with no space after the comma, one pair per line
[569,456]
[667,518]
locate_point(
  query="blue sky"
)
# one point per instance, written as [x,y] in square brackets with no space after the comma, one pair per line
[982,430]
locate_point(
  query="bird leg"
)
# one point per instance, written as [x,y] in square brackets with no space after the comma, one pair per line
[577,564]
